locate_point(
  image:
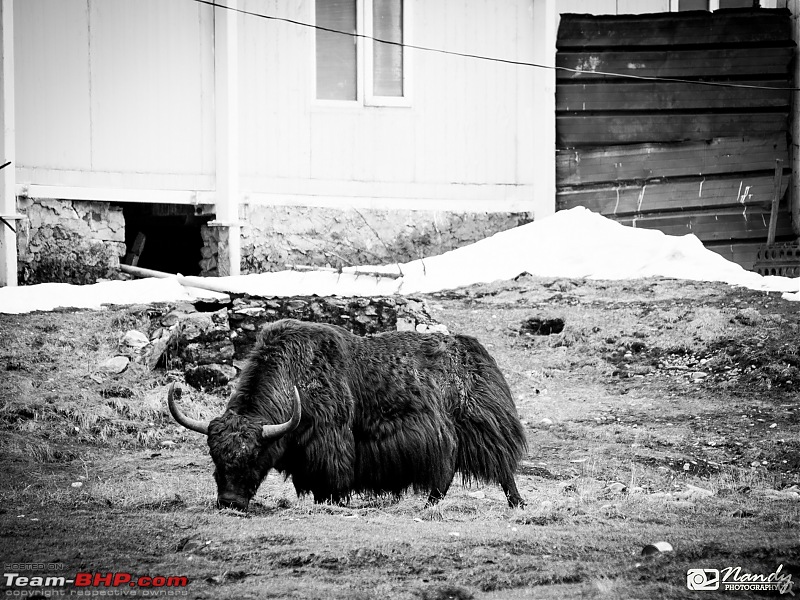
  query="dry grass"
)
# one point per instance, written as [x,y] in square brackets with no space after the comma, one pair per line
[149,507]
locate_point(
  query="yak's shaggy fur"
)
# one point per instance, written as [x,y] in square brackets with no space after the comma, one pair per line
[380,414]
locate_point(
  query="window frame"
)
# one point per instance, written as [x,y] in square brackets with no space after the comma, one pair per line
[713,5]
[370,98]
[365,62]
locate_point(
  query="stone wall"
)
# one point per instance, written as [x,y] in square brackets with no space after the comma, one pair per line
[274,236]
[209,346]
[68,241]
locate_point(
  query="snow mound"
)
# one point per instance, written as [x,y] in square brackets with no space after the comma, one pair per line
[50,296]
[575,243]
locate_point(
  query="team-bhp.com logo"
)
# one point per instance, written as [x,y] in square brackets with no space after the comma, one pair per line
[149,585]
[733,579]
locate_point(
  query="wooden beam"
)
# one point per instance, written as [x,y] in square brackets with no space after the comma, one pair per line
[683,195]
[8,197]
[777,194]
[719,226]
[581,166]
[642,96]
[667,29]
[103,194]
[226,89]
[600,130]
[683,64]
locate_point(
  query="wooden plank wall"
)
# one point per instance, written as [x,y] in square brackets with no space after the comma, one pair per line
[669,155]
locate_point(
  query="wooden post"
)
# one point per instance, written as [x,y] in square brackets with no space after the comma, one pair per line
[776,198]
[226,89]
[8,195]
[794,119]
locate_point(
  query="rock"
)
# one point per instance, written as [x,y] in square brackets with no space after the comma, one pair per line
[208,377]
[219,352]
[479,495]
[657,548]
[158,346]
[546,422]
[252,312]
[616,487]
[115,365]
[175,315]
[134,340]
[406,324]
[203,327]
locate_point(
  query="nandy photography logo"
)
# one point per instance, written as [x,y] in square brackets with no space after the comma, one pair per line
[732,579]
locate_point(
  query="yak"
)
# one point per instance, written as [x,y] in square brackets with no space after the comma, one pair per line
[343,415]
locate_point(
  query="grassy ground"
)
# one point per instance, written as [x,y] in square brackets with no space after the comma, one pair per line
[664,411]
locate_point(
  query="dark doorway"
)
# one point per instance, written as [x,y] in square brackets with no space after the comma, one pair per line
[170,237]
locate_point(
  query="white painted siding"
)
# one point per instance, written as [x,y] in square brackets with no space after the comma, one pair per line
[118,94]
[465,124]
[114,93]
[149,92]
[53,121]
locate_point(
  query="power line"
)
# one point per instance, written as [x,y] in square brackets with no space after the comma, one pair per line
[505,61]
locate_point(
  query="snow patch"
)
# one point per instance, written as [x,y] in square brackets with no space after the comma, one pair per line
[575,243]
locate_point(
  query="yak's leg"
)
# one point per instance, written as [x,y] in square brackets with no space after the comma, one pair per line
[512,495]
[436,494]
[442,483]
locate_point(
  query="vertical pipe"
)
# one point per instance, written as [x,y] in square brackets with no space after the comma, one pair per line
[226,89]
[545,22]
[8,198]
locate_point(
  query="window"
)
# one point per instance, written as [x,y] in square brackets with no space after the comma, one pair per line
[692,5]
[354,67]
[387,54]
[337,75]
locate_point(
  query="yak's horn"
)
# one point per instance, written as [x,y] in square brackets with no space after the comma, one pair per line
[273,432]
[188,422]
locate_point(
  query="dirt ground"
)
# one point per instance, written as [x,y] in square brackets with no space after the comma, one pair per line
[656,411]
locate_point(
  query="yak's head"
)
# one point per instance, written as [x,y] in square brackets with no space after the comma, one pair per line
[243,449]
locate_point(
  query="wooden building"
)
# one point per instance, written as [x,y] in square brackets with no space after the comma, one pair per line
[694,138]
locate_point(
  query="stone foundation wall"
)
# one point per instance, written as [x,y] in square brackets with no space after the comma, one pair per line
[68,241]
[274,236]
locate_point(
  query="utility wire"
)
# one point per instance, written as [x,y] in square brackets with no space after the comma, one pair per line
[494,59]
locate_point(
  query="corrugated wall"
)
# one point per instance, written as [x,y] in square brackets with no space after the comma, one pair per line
[679,157]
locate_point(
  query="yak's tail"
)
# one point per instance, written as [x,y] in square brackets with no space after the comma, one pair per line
[491,439]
